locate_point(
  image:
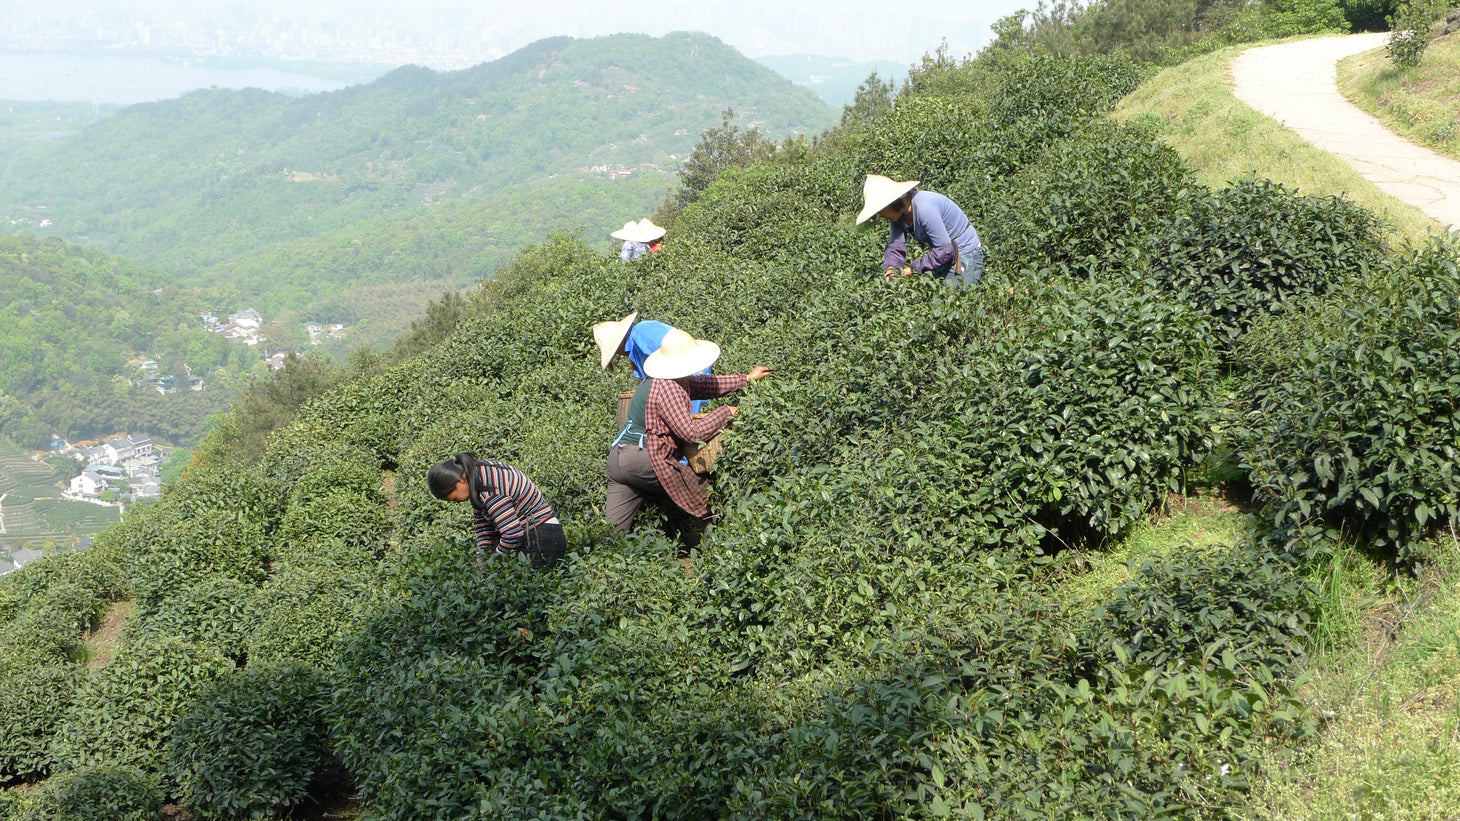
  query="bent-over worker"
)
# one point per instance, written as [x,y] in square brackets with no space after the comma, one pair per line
[931,219]
[509,513]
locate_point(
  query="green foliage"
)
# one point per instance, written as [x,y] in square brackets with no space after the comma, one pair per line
[38,698]
[720,149]
[124,713]
[1256,249]
[1088,207]
[1351,414]
[307,608]
[211,524]
[75,326]
[253,745]
[873,99]
[1193,605]
[216,613]
[870,627]
[101,793]
[1409,28]
[218,173]
[1369,15]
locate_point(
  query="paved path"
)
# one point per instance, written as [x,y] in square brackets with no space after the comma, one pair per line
[1294,84]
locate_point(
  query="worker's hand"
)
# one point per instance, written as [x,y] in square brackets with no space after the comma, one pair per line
[888,274]
[907,270]
[758,372]
[734,410]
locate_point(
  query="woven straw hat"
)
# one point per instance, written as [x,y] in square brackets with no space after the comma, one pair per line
[610,337]
[680,355]
[878,192]
[628,232]
[648,231]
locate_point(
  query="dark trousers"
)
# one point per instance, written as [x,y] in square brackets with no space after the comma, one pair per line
[631,482]
[545,545]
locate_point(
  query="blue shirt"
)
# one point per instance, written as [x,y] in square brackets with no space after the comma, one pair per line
[633,250]
[937,222]
[644,339]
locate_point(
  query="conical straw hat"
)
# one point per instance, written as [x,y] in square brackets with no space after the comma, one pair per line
[610,337]
[878,192]
[680,355]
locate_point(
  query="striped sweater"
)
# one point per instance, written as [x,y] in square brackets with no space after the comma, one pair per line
[508,506]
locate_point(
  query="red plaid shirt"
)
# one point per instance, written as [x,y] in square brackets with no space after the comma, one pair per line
[671,426]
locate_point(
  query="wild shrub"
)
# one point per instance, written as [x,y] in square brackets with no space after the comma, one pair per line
[1351,422]
[254,744]
[38,698]
[124,713]
[1257,248]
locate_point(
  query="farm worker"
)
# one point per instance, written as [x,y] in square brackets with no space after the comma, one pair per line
[644,461]
[931,219]
[639,238]
[636,341]
[509,513]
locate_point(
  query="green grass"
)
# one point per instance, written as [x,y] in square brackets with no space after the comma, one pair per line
[1390,744]
[1420,103]
[1224,139]
[1199,521]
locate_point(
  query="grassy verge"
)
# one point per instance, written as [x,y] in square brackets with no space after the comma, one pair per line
[1420,103]
[1386,688]
[1194,111]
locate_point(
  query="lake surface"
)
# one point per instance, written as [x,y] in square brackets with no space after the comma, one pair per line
[124,80]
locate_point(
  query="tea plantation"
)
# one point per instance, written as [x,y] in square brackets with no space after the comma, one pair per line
[32,512]
[873,626]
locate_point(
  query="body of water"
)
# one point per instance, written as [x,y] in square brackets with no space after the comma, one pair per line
[124,80]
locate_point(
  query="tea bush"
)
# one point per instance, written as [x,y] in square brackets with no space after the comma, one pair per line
[1089,205]
[1351,424]
[93,794]
[1256,248]
[218,614]
[37,699]
[124,713]
[253,745]
[868,628]
[357,522]
[305,609]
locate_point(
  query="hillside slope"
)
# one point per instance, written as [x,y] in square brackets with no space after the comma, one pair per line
[877,624]
[1193,109]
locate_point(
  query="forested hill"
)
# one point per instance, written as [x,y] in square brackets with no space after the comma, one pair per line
[188,182]
[76,326]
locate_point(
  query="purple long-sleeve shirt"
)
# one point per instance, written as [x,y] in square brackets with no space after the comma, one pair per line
[937,222]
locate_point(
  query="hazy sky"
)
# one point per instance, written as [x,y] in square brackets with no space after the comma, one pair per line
[857,29]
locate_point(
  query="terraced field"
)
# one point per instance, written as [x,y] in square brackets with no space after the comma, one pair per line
[32,510]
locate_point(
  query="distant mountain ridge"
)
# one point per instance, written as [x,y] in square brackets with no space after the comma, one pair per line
[833,79]
[190,182]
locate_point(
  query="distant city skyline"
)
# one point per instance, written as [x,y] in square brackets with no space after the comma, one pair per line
[448,35]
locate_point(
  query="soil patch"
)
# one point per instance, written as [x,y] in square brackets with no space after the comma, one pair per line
[104,640]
